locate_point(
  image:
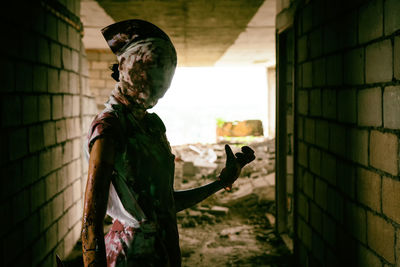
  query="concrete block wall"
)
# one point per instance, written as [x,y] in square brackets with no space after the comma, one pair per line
[348,129]
[100,80]
[45,111]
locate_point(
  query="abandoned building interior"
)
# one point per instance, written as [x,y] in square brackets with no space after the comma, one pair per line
[325,189]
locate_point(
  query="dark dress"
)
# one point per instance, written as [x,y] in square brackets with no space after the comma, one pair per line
[143,181]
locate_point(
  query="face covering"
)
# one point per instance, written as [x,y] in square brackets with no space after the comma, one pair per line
[146,69]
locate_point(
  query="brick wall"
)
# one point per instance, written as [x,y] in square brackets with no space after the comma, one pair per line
[348,127]
[45,109]
[100,80]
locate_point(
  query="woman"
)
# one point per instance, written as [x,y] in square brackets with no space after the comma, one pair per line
[131,167]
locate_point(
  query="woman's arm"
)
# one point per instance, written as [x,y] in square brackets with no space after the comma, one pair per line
[101,164]
[234,164]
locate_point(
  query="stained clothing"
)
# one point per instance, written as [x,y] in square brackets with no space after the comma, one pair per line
[143,175]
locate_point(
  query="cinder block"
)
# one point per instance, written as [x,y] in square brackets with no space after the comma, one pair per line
[329,103]
[379,62]
[397,57]
[322,133]
[61,131]
[49,133]
[45,163]
[354,66]
[303,206]
[35,138]
[30,109]
[306,16]
[51,242]
[98,65]
[384,152]
[43,51]
[347,106]
[392,19]
[55,55]
[73,38]
[370,21]
[51,26]
[75,61]
[307,74]
[380,235]
[316,217]
[337,139]
[305,233]
[77,147]
[357,146]
[329,230]
[391,198]
[315,161]
[11,111]
[308,185]
[73,83]
[38,195]
[66,58]
[57,107]
[18,143]
[331,37]
[67,105]
[367,258]
[76,190]
[97,83]
[39,79]
[93,55]
[318,72]
[68,197]
[64,82]
[370,107]
[57,206]
[303,154]
[391,107]
[318,248]
[56,157]
[62,178]
[349,36]
[62,32]
[346,178]
[335,204]
[51,186]
[303,102]
[44,108]
[20,206]
[53,81]
[62,226]
[302,50]
[29,170]
[309,130]
[76,109]
[356,221]
[107,56]
[334,69]
[67,155]
[369,189]
[24,77]
[315,102]
[316,43]
[328,168]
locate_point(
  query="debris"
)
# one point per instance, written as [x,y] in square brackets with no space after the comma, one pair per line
[271,219]
[218,210]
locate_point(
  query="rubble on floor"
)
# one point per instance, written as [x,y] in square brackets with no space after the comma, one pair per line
[230,228]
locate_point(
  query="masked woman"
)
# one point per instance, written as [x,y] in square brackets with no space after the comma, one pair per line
[131,167]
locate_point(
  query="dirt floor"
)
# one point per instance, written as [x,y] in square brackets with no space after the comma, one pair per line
[230,228]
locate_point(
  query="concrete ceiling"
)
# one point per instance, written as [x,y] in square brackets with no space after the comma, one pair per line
[204,32]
